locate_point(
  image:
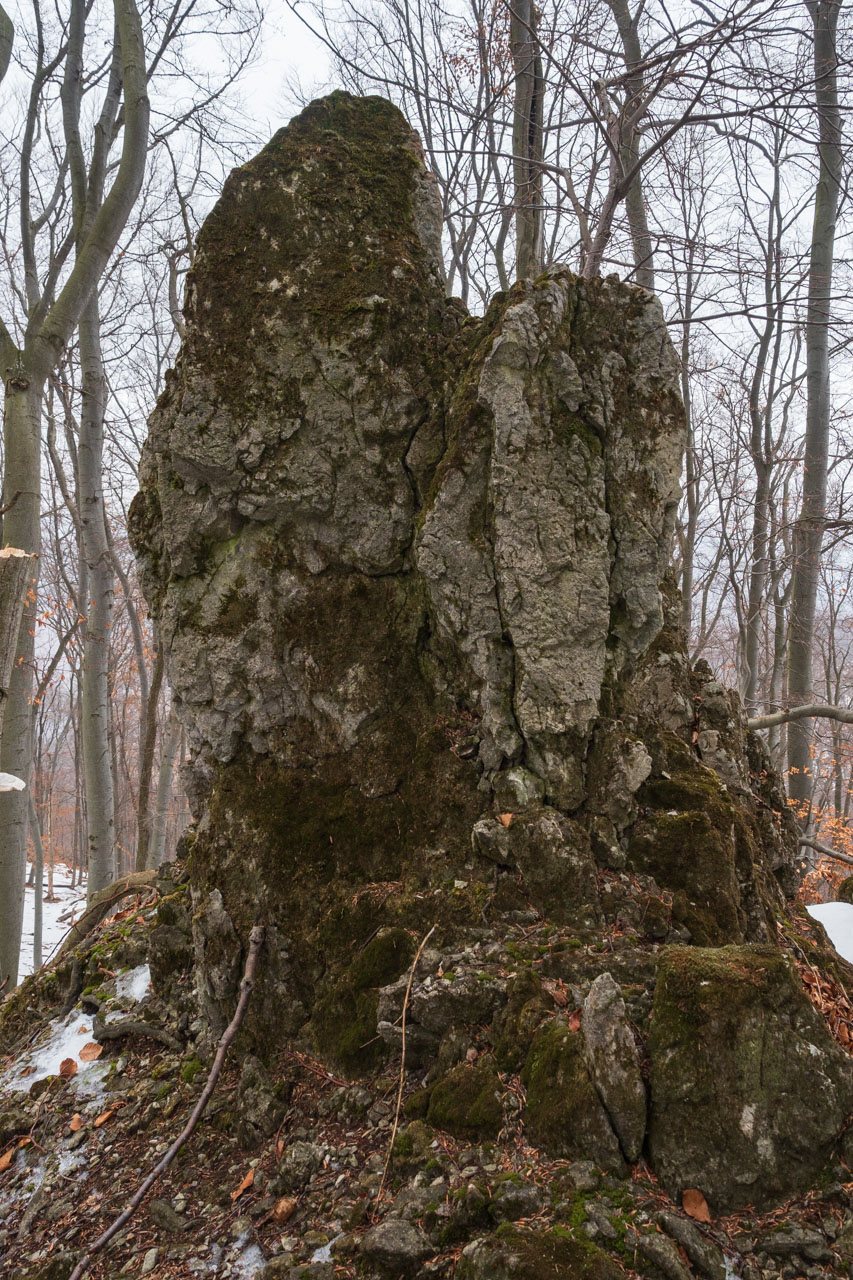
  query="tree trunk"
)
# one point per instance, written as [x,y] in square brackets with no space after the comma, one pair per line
[147,769]
[808,536]
[21,529]
[100,803]
[38,850]
[527,140]
[635,200]
[157,845]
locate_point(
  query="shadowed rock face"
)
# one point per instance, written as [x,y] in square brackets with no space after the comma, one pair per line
[409,570]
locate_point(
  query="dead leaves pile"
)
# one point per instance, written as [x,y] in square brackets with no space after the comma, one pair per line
[831,1000]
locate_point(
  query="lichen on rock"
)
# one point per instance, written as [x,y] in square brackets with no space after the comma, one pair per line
[409,568]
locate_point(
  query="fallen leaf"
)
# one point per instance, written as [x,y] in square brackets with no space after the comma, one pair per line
[284,1209]
[24,1142]
[90,1051]
[104,1117]
[82,1029]
[6,1159]
[695,1204]
[575,1020]
[279,1147]
[506,818]
[244,1185]
[76,1123]
[27,1071]
[67,1068]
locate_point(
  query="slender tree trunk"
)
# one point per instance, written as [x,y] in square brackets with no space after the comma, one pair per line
[38,849]
[147,770]
[635,200]
[21,528]
[808,536]
[527,140]
[157,844]
[94,692]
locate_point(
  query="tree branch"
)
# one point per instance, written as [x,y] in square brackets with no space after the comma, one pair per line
[808,711]
[256,939]
[825,850]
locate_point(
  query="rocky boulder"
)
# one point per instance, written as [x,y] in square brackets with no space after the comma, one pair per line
[409,570]
[748,1090]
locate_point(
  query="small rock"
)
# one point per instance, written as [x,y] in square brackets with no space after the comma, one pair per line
[164,1216]
[511,1202]
[663,1254]
[149,1262]
[784,1241]
[706,1256]
[395,1248]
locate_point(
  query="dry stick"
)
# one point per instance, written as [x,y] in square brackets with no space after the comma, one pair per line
[402,1062]
[256,938]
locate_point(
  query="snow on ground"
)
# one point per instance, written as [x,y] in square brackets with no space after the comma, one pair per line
[52,931]
[65,1038]
[837,919]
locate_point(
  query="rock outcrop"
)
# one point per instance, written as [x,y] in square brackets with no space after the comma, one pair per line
[409,568]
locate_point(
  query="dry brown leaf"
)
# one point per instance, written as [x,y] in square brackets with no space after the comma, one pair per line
[67,1068]
[284,1209]
[27,1071]
[279,1147]
[76,1122]
[506,818]
[244,1185]
[6,1159]
[90,1051]
[695,1204]
[575,1020]
[82,1029]
[104,1117]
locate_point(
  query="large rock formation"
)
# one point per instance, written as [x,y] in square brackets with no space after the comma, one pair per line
[409,570]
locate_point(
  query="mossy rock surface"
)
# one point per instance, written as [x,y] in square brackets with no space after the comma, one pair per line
[749,1093]
[467,1102]
[344,1021]
[564,1114]
[515,1253]
[845,890]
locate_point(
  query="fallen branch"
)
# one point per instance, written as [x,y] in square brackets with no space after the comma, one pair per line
[256,938]
[810,711]
[418,954]
[102,1031]
[825,849]
[100,905]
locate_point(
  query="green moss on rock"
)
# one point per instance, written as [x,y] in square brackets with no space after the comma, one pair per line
[563,1114]
[515,1253]
[467,1102]
[748,1090]
[344,1020]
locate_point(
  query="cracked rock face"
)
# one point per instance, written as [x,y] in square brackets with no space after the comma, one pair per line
[345,474]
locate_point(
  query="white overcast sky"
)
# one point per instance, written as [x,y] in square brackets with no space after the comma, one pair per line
[287,49]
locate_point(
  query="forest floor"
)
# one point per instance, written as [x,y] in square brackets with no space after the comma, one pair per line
[80,1129]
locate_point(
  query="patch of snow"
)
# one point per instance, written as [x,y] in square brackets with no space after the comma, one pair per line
[67,899]
[837,919]
[324,1253]
[65,1040]
[134,984]
[70,1161]
[249,1261]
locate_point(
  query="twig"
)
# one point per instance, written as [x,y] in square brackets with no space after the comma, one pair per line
[402,1062]
[102,1031]
[256,938]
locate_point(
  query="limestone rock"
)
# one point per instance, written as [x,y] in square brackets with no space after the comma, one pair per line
[564,1114]
[748,1091]
[395,1248]
[524,1254]
[614,1063]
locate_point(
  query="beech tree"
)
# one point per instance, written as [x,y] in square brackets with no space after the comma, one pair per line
[53,307]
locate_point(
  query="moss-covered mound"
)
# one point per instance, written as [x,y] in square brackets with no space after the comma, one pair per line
[749,1093]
